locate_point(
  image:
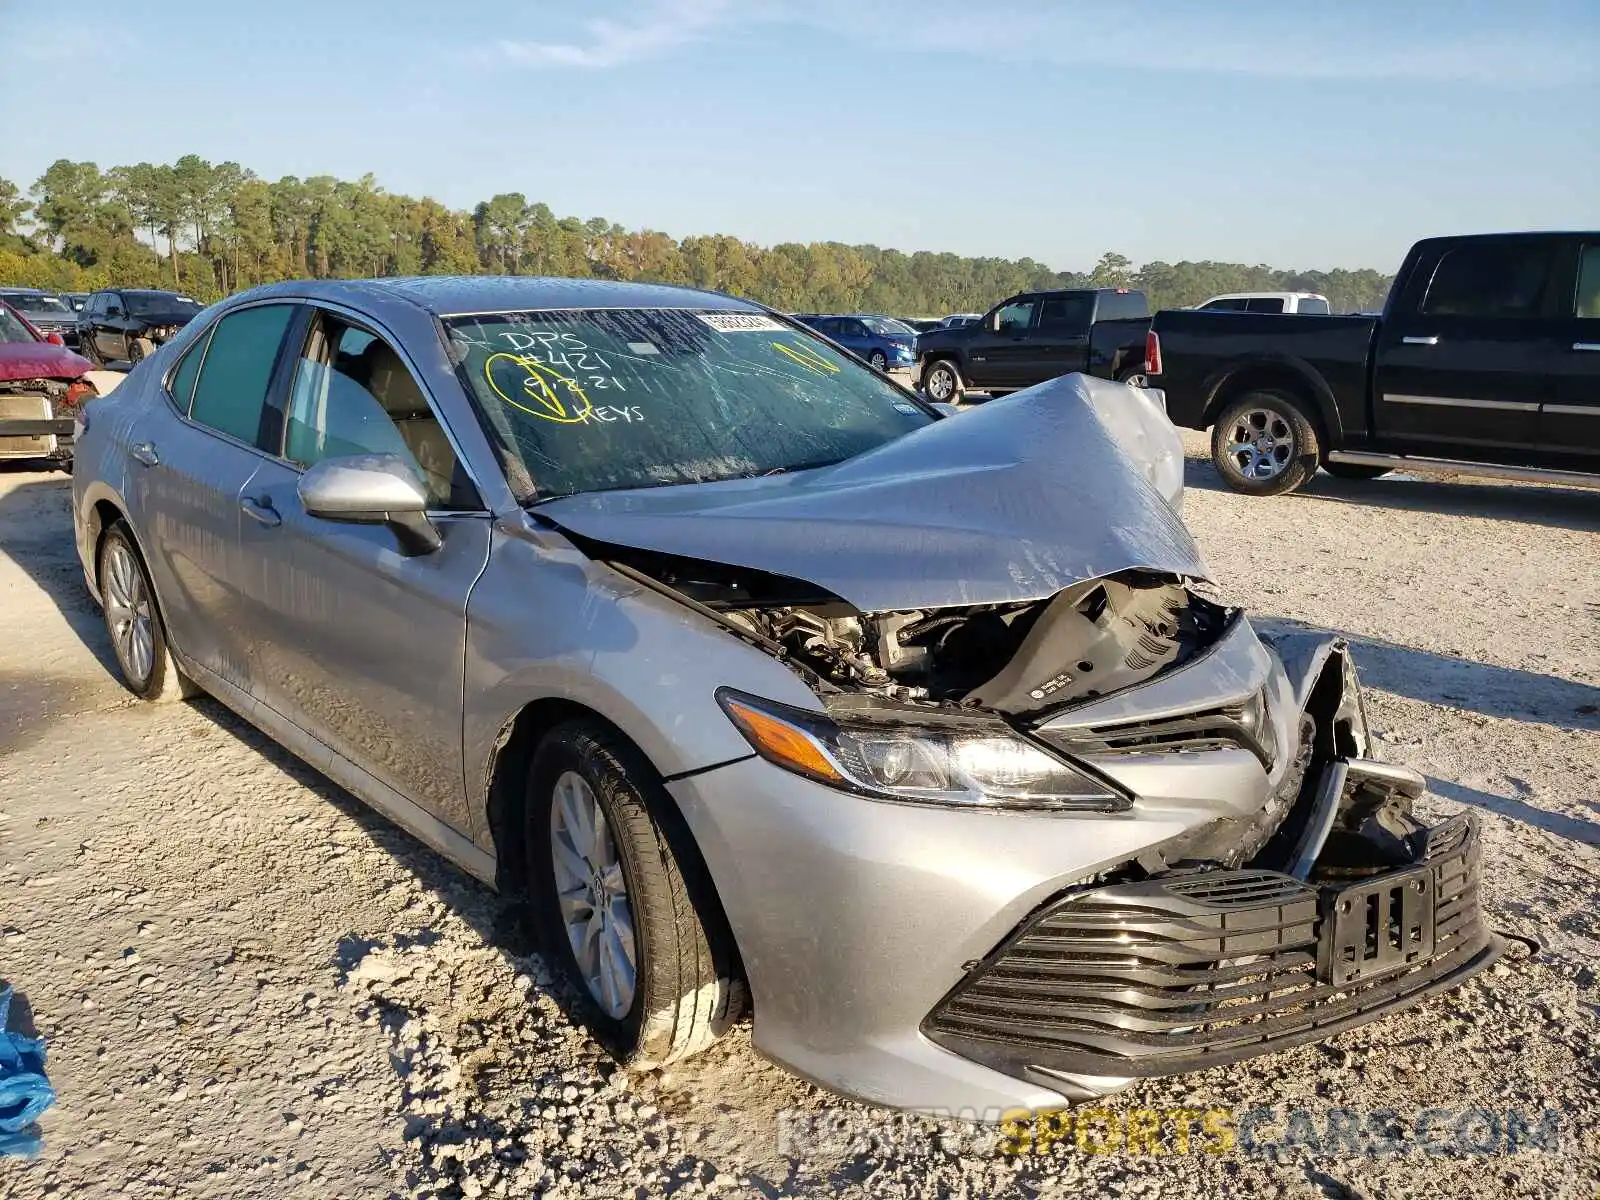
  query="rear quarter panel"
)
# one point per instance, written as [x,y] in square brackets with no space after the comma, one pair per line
[1207,356]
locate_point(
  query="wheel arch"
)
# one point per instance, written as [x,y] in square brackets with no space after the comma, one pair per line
[1291,376]
[505,803]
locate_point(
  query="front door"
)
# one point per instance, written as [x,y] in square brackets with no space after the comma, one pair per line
[1002,353]
[363,647]
[189,459]
[1463,367]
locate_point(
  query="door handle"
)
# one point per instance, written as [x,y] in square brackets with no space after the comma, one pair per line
[1420,341]
[145,452]
[261,512]
[1595,346]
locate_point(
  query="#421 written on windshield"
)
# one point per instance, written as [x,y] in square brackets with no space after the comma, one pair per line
[550,374]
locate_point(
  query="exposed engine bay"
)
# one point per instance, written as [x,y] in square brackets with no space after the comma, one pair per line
[1091,639]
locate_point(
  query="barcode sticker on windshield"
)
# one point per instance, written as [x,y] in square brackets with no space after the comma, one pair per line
[741,323]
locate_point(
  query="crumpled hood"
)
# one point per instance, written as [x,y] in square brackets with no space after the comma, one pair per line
[1013,501]
[39,360]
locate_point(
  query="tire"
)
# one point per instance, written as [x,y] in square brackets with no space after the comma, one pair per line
[686,989]
[133,621]
[86,350]
[878,360]
[139,349]
[1264,444]
[1134,378]
[942,382]
[1344,470]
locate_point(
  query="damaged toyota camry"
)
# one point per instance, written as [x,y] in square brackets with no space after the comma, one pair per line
[924,737]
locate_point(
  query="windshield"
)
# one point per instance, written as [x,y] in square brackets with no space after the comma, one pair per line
[12,329]
[28,302]
[624,398]
[888,327]
[144,304]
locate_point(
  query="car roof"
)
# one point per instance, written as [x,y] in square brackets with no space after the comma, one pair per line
[23,291]
[464,295]
[1266,296]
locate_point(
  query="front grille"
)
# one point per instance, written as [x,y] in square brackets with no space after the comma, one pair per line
[1176,974]
[1219,729]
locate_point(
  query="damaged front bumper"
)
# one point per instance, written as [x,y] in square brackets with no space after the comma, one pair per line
[1192,970]
[945,959]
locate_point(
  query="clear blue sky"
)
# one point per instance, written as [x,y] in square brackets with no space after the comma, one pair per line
[1283,132]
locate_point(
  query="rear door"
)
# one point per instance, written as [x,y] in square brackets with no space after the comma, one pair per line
[1570,422]
[1463,360]
[189,460]
[1060,337]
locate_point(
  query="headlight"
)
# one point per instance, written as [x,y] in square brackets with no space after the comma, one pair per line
[972,763]
[1254,719]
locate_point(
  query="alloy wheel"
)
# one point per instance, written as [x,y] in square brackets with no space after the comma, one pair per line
[941,384]
[1262,444]
[593,895]
[128,613]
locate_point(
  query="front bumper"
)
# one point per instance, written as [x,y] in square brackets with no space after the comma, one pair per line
[1190,971]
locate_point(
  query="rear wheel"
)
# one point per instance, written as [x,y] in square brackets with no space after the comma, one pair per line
[139,349]
[623,905]
[942,382]
[138,638]
[1344,470]
[1264,444]
[1134,378]
[878,361]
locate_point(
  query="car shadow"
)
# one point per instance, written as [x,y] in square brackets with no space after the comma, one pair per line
[1576,509]
[44,550]
[1572,828]
[1459,682]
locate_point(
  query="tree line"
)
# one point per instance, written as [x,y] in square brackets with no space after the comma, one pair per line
[209,229]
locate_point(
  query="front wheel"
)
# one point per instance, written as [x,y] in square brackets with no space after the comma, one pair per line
[623,906]
[1264,444]
[878,361]
[86,349]
[942,382]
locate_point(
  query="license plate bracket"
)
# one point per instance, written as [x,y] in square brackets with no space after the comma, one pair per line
[1377,926]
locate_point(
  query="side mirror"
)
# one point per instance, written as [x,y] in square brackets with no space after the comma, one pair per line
[371,489]
[992,322]
[55,339]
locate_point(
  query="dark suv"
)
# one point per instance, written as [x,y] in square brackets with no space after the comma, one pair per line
[129,323]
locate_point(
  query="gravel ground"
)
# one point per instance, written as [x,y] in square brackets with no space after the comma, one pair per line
[252,986]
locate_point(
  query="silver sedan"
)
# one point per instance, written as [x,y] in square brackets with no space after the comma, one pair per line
[771,685]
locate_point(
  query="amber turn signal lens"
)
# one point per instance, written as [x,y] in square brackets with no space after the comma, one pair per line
[782,743]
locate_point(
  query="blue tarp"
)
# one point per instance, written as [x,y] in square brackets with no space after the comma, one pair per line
[24,1091]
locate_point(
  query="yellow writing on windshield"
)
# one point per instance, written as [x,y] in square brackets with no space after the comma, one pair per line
[807,358]
[541,390]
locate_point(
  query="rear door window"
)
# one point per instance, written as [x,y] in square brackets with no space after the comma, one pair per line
[1066,314]
[1264,304]
[1496,280]
[231,392]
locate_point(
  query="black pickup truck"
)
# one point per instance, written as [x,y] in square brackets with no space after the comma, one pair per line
[1036,336]
[1486,361]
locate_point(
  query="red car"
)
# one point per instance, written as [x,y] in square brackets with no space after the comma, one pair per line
[42,386]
